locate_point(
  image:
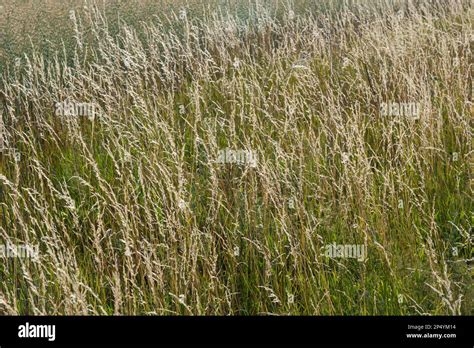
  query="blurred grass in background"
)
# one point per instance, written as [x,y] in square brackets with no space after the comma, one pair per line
[47,24]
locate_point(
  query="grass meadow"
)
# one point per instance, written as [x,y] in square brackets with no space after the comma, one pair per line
[236,157]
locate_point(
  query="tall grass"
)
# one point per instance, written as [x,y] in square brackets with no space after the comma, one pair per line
[133,215]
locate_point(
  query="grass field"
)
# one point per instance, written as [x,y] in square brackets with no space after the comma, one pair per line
[236,158]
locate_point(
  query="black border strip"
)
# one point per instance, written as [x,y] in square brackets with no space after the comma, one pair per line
[288,330]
